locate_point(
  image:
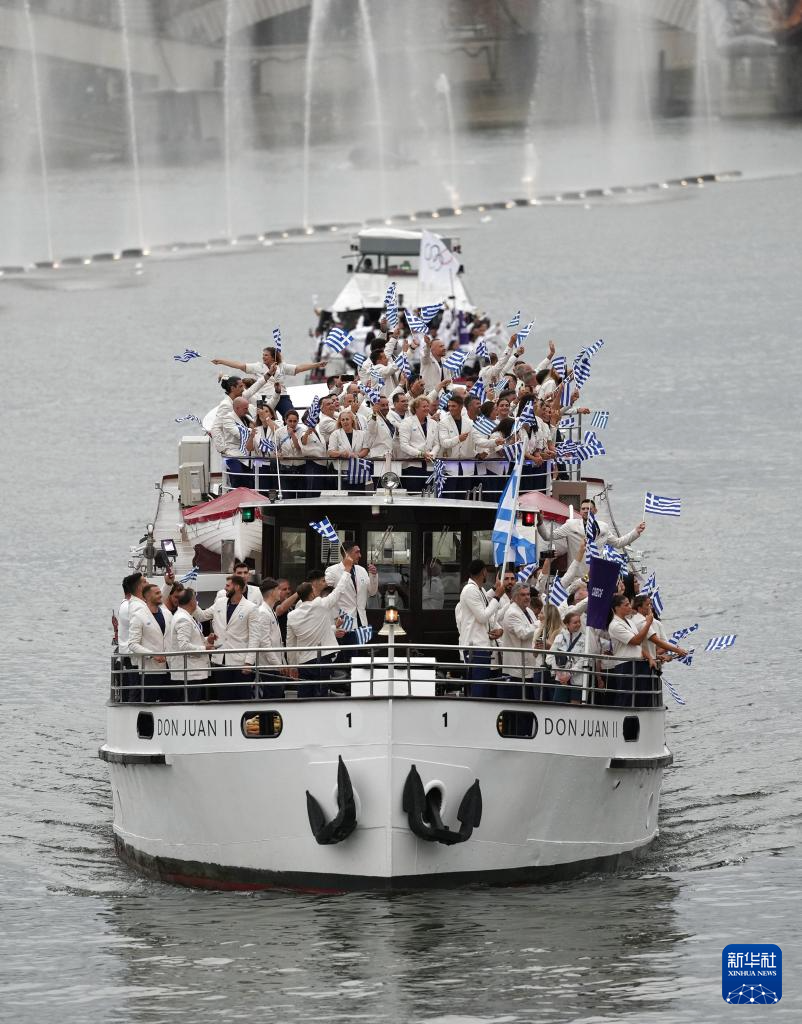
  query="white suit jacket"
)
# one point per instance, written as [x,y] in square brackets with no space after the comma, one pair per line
[451,447]
[474,614]
[379,438]
[354,601]
[519,632]
[145,635]
[570,535]
[187,636]
[268,636]
[412,440]
[431,371]
[239,631]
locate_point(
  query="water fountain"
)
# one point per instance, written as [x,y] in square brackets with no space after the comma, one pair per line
[378,109]
[133,142]
[590,58]
[316,24]
[702,93]
[443,87]
[228,89]
[40,131]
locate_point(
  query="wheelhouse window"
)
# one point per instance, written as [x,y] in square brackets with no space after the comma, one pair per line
[292,554]
[390,551]
[482,546]
[441,577]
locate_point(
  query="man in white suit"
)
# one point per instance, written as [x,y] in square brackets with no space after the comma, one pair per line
[147,631]
[273,669]
[252,592]
[234,627]
[381,437]
[474,613]
[455,436]
[418,440]
[186,636]
[521,626]
[570,535]
[354,596]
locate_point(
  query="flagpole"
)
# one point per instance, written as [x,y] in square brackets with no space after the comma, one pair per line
[511,527]
[278,474]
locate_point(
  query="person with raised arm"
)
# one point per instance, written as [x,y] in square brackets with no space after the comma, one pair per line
[310,625]
[272,370]
[477,635]
[363,583]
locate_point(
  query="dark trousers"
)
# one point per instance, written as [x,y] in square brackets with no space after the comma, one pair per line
[313,673]
[157,687]
[284,406]
[244,690]
[414,477]
[456,486]
[239,473]
[318,478]
[621,678]
[270,684]
[293,481]
[533,478]
[478,662]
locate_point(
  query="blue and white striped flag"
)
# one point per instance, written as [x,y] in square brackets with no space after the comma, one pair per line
[481,349]
[428,313]
[377,377]
[416,325]
[437,478]
[267,446]
[389,295]
[189,418]
[659,506]
[277,338]
[358,358]
[511,451]
[720,643]
[346,621]
[590,351]
[680,634]
[600,419]
[478,389]
[567,422]
[313,412]
[403,364]
[244,434]
[591,528]
[673,691]
[591,442]
[521,549]
[186,355]
[657,602]
[581,371]
[523,334]
[372,394]
[612,554]
[364,634]
[338,340]
[392,316]
[326,530]
[484,425]
[565,395]
[453,362]
[190,576]
[527,414]
[686,659]
[514,320]
[442,401]
[560,365]
[557,594]
[592,551]
[649,586]
[359,471]
[524,574]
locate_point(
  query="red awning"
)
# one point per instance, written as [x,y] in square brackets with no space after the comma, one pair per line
[224,506]
[549,508]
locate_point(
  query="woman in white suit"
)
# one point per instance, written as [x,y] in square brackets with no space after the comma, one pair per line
[419,440]
[291,456]
[187,636]
[346,443]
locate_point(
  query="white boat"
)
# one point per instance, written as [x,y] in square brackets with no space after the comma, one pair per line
[406,782]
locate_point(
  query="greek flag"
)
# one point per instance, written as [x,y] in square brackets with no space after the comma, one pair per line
[313,412]
[437,479]
[377,377]
[592,442]
[557,594]
[338,339]
[244,434]
[649,586]
[514,320]
[189,418]
[326,530]
[524,574]
[364,634]
[346,621]
[403,364]
[591,551]
[442,402]
[590,351]
[453,362]
[660,506]
[511,451]
[189,577]
[392,316]
[565,395]
[358,359]
[478,389]
[267,447]
[687,659]
[591,528]
[277,338]
[720,643]
[522,551]
[680,634]
[523,334]
[581,371]
[600,419]
[186,355]
[373,394]
[389,295]
[612,554]
[428,313]
[359,471]
[657,602]
[416,325]
[484,425]
[567,422]
[560,365]
[673,691]
[527,415]
[481,349]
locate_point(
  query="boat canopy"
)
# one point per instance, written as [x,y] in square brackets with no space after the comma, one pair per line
[223,507]
[550,508]
[367,291]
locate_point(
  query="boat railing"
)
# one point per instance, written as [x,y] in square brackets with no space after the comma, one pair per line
[381,671]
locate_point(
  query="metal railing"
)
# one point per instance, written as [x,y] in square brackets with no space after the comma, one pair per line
[381,671]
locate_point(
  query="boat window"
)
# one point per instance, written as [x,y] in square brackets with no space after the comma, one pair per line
[441,568]
[517,725]
[292,554]
[261,724]
[390,552]
[482,547]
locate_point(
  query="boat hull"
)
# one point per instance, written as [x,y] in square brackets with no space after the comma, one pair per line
[202,804]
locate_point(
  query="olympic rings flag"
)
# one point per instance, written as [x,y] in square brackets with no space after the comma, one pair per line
[438,265]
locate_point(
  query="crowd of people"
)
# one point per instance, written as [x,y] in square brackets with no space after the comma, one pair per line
[412,399]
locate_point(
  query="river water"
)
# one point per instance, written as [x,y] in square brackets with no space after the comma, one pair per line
[696,296]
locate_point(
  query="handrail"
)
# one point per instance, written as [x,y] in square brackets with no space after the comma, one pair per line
[591,679]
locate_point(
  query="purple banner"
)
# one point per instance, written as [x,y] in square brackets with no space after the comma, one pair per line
[601,588]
